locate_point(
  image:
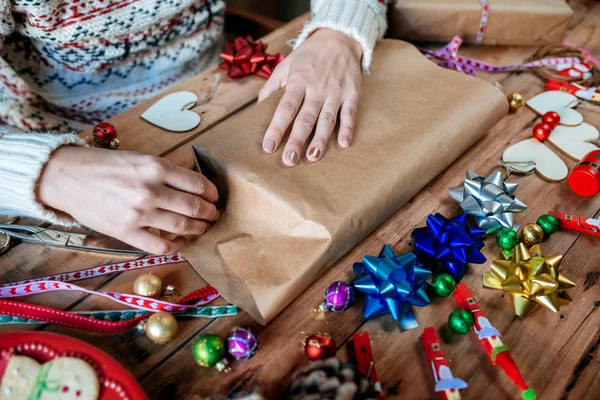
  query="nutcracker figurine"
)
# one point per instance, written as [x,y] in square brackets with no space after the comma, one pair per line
[445,384]
[489,337]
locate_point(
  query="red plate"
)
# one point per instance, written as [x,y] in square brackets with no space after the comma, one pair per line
[115,381]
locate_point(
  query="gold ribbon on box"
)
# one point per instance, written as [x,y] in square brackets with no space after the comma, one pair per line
[531,279]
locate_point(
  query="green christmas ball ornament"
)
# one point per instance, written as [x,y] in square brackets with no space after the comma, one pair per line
[548,223]
[507,239]
[460,321]
[209,351]
[443,284]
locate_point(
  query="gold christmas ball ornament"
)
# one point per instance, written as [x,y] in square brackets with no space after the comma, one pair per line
[161,327]
[531,234]
[115,144]
[148,285]
[515,100]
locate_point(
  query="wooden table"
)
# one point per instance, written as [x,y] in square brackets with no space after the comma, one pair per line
[557,352]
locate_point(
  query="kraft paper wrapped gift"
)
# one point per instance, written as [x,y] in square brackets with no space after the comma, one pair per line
[283,227]
[510,22]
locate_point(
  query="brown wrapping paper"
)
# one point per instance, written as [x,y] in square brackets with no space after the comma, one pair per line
[283,227]
[511,22]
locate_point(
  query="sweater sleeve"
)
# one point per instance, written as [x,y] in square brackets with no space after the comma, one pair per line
[22,159]
[363,20]
[23,154]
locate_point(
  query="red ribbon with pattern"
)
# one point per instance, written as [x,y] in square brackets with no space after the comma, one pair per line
[131,300]
[106,269]
[448,57]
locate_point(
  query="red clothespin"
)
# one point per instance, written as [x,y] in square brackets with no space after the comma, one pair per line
[587,225]
[489,337]
[445,383]
[364,358]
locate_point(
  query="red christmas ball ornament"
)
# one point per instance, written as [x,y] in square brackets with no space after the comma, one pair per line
[104,133]
[551,118]
[319,346]
[542,131]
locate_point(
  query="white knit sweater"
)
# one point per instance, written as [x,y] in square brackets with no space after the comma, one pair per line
[66,65]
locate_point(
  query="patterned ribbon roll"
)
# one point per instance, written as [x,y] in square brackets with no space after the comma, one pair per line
[448,57]
[483,21]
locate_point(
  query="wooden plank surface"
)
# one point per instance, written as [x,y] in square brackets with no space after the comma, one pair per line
[556,352]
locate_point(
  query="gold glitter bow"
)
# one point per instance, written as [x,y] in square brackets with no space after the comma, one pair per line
[530,279]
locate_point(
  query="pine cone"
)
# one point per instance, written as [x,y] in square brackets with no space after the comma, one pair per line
[329,379]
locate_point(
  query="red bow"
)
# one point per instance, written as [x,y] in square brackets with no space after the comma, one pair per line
[245,57]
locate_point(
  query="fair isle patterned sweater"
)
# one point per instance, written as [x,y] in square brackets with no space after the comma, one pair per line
[69,64]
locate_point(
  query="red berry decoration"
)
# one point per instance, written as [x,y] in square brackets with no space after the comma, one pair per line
[319,346]
[542,131]
[551,118]
[104,133]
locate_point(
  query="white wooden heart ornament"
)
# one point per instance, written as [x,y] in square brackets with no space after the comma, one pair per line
[63,378]
[573,137]
[561,102]
[574,141]
[173,113]
[547,163]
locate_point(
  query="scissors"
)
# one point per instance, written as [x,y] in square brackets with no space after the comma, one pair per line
[51,237]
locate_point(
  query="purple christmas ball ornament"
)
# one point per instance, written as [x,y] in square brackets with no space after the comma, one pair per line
[339,296]
[242,343]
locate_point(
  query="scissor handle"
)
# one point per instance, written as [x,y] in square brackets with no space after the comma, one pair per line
[22,232]
[4,242]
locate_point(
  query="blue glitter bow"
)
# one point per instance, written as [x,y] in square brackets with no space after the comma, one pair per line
[451,242]
[392,284]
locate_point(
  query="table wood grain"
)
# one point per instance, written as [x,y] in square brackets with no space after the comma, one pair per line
[558,353]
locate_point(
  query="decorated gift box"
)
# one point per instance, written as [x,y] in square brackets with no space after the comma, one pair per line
[494,22]
[283,227]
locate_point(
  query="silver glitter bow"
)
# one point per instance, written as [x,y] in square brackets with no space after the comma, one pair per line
[490,200]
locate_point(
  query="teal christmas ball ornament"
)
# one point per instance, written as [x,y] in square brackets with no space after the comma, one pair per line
[507,239]
[460,321]
[548,223]
[443,284]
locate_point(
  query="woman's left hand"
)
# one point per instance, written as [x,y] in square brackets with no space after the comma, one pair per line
[322,79]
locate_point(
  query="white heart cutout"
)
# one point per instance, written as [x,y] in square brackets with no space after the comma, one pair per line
[574,141]
[547,164]
[172,112]
[560,102]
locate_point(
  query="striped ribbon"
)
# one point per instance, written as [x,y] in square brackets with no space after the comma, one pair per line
[448,57]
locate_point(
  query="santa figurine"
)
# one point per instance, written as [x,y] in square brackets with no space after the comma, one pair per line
[445,383]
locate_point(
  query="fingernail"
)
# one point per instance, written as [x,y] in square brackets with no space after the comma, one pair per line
[269,145]
[315,152]
[346,141]
[217,216]
[292,156]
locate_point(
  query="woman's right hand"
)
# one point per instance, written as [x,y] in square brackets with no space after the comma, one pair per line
[123,194]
